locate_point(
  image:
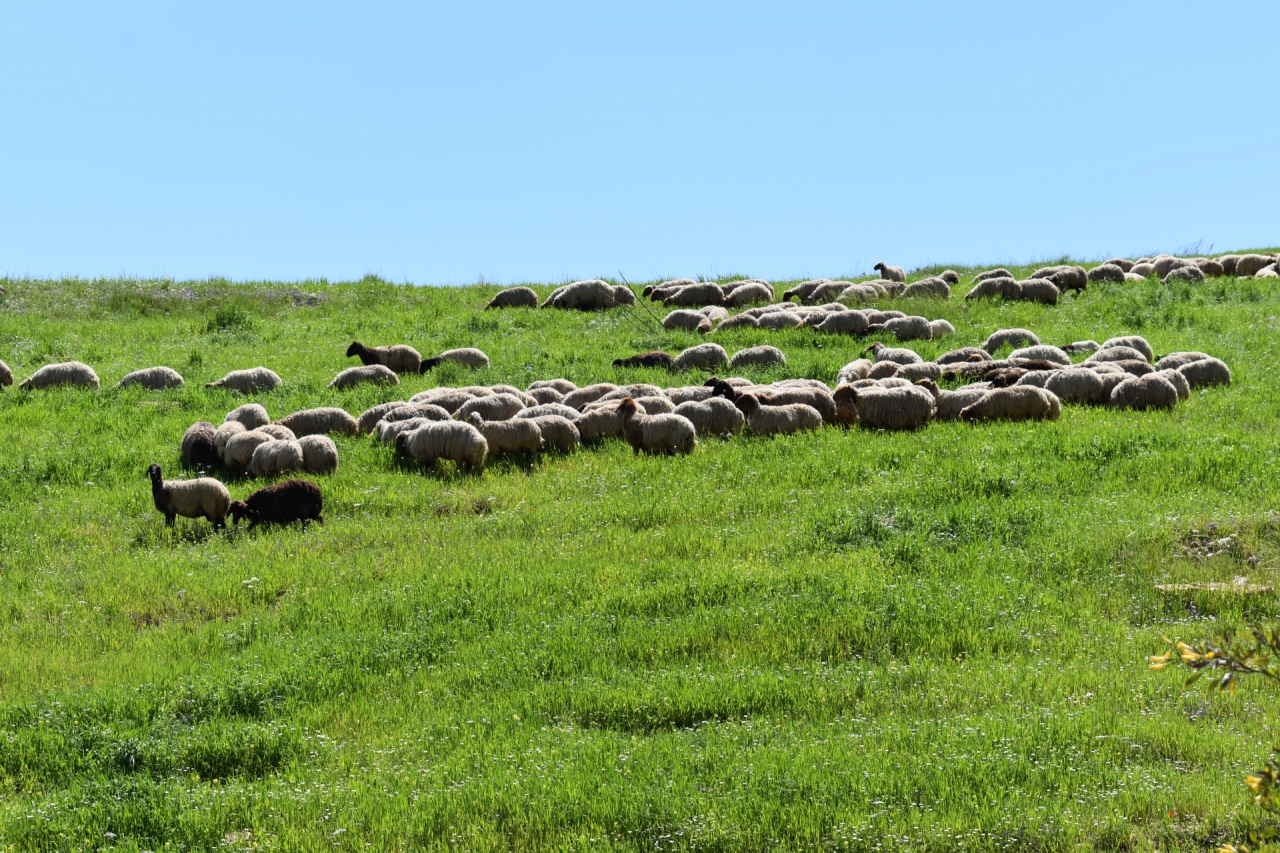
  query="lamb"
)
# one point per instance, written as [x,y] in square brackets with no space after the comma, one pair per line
[203,497]
[579,397]
[549,409]
[1018,403]
[770,420]
[275,457]
[465,356]
[963,354]
[498,407]
[248,381]
[239,448]
[880,352]
[6,375]
[152,378]
[1267,272]
[252,415]
[853,371]
[666,433]
[1152,391]
[746,294]
[906,407]
[198,447]
[590,295]
[1136,342]
[558,433]
[1010,337]
[1107,272]
[712,416]
[320,421]
[940,329]
[703,356]
[1006,288]
[655,358]
[689,394]
[224,434]
[928,287]
[564,386]
[278,432]
[370,417]
[373,374]
[73,373]
[1041,352]
[454,440]
[400,358]
[1177,359]
[1038,290]
[518,435]
[761,355]
[691,321]
[1206,371]
[514,297]
[890,273]
[282,503]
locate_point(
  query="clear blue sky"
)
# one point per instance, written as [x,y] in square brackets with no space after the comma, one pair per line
[440,143]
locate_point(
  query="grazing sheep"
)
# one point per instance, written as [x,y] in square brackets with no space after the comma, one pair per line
[549,409]
[747,294]
[1017,403]
[224,434]
[1107,272]
[951,277]
[542,396]
[1005,288]
[1132,366]
[738,321]
[1064,277]
[1041,352]
[635,390]
[579,397]
[409,411]
[1206,371]
[689,393]
[803,289]
[1074,385]
[239,448]
[1136,342]
[655,358]
[776,321]
[880,352]
[927,287]
[843,323]
[1247,265]
[828,291]
[465,356]
[1010,337]
[666,433]
[198,447]
[600,423]
[275,457]
[904,407]
[497,407]
[853,371]
[558,433]
[450,400]
[890,273]
[514,297]
[456,441]
[152,378]
[949,404]
[860,292]
[1039,290]
[252,415]
[1178,381]
[564,386]
[1143,271]
[1117,352]
[321,421]
[374,374]
[319,454]
[690,321]
[963,354]
[940,329]
[884,370]
[1164,264]
[656,405]
[734,382]
[916,372]
[1124,264]
[370,417]
[1187,273]
[714,313]
[400,358]
[281,503]
[71,373]
[1177,359]
[1228,263]
[386,431]
[659,292]
[1082,347]
[819,399]
[1210,267]
[248,381]
[907,328]
[760,356]
[278,432]
[1152,391]
[590,295]
[712,416]
[703,356]
[1037,378]
[998,272]
[203,497]
[6,375]
[506,437]
[777,419]
[501,388]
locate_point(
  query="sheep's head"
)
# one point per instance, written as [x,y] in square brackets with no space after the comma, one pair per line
[429,364]
[950,277]
[475,419]
[153,471]
[239,509]
[627,407]
[879,266]
[712,382]
[402,443]
[874,348]
[724,389]
[746,403]
[355,348]
[928,385]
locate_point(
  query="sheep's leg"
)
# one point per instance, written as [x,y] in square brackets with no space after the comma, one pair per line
[169,517]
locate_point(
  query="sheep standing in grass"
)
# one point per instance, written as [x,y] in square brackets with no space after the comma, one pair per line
[688,394]
[890,273]
[386,431]
[666,433]
[6,375]
[1247,265]
[225,433]
[1041,352]
[278,432]
[1005,288]
[282,503]
[928,287]
[949,404]
[400,358]
[579,397]
[904,407]
[239,448]
[1133,342]
[748,293]
[601,423]
[769,420]
[1107,272]
[592,295]
[557,409]
[1178,381]
[1206,371]
[542,396]
[72,373]
[321,421]
[319,454]
[564,386]
[275,457]
[251,415]
[699,294]
[371,374]
[1038,290]
[465,356]
[704,356]
[558,433]
[370,417]
[758,356]
[1010,337]
[691,321]
[712,416]
[198,447]
[514,297]
[152,378]
[453,440]
[879,352]
[203,497]
[430,411]
[1016,403]
[1152,391]
[498,407]
[518,435]
[248,381]
[1075,385]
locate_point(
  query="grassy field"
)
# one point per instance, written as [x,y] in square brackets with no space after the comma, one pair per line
[835,641]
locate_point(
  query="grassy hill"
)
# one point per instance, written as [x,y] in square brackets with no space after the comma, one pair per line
[841,640]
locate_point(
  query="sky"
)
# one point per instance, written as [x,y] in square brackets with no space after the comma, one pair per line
[451,143]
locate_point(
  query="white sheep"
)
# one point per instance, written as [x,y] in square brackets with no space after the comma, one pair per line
[963,355]
[1116,353]
[714,313]
[776,321]
[1005,288]
[542,396]
[998,272]
[1178,381]
[1010,337]
[703,356]
[203,497]
[843,323]
[951,403]
[689,394]
[600,423]
[1041,352]
[239,448]
[1016,403]
[1206,371]
[275,457]
[319,454]
[558,433]
[450,400]
[665,433]
[280,432]
[853,371]
[1107,272]
[400,358]
[1038,290]
[251,415]
[224,433]
[884,369]
[1248,265]
[373,374]
[152,378]
[1134,342]
[505,437]
[879,352]
[591,295]
[777,419]
[739,321]
[248,381]
[758,356]
[498,407]
[6,375]
[690,321]
[456,441]
[320,421]
[912,328]
[746,294]
[904,407]
[579,397]
[72,373]
[1082,348]
[386,431]
[1177,359]
[564,386]
[634,390]
[1074,385]
[465,356]
[698,293]
[712,416]
[927,287]
[939,329]
[370,417]
[922,370]
[890,273]
[409,411]
[550,409]
[514,297]
[1152,391]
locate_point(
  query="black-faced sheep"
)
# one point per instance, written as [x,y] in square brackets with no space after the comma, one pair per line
[6,375]
[282,503]
[758,356]
[506,437]
[712,416]
[1016,403]
[890,273]
[666,433]
[514,297]
[703,356]
[453,440]
[465,356]
[1010,337]
[203,497]
[70,373]
[803,289]
[558,433]
[904,407]
[152,378]
[777,419]
[198,447]
[248,381]
[691,321]
[321,421]
[372,374]
[1206,371]
[319,454]
[400,358]
[1152,391]
[370,417]
[654,358]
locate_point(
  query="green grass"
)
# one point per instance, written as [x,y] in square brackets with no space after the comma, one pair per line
[843,640]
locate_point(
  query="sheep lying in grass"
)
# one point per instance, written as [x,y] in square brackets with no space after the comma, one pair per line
[890,273]
[198,447]
[691,321]
[251,415]
[518,435]
[456,441]
[321,421]
[1206,371]
[777,419]
[248,381]
[239,448]
[282,503]
[370,417]
[275,457]
[319,454]
[666,433]
[152,378]
[372,374]
[558,433]
[905,407]
[1152,391]
[514,297]
[712,416]
[1017,403]
[703,356]
[465,356]
[655,358]
[71,373]
[1010,337]
[203,497]
[758,356]
[400,358]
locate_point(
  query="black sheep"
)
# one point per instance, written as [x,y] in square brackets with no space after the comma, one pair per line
[656,358]
[282,503]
